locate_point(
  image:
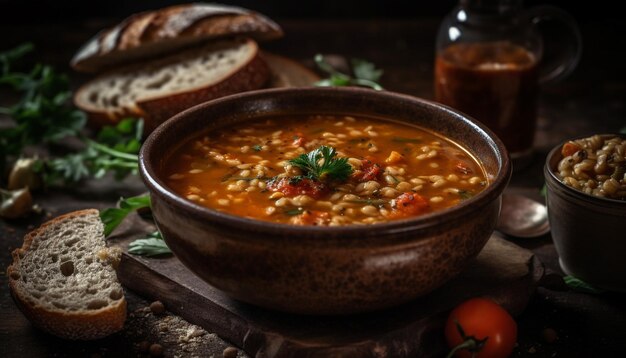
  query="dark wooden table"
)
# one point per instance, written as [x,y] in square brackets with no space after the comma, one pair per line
[590,101]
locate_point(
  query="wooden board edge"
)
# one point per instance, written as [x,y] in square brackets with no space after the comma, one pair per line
[420,338]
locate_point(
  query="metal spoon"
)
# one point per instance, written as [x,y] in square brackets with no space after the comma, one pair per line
[522,217]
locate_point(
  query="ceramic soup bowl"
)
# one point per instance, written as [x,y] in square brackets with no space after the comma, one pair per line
[325,270]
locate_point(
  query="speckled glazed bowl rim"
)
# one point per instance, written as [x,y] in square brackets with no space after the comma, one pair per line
[552,161]
[159,188]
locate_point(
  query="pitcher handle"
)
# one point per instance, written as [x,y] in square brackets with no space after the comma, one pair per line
[557,66]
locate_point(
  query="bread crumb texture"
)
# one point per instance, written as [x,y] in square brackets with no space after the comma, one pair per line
[121,90]
[178,337]
[63,278]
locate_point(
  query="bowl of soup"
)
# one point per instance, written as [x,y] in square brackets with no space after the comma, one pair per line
[324,200]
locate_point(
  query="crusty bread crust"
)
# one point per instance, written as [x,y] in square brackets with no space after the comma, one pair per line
[166,30]
[78,325]
[251,75]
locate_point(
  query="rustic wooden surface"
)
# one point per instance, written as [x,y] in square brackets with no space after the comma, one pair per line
[503,271]
[590,101]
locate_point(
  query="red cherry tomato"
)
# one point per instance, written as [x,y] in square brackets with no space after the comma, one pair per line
[483,327]
[301,186]
[369,171]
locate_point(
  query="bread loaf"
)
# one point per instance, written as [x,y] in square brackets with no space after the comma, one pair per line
[158,89]
[63,278]
[166,30]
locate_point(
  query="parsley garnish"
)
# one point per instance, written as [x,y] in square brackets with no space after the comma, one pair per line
[465,194]
[113,217]
[365,74]
[152,245]
[114,151]
[581,286]
[257,148]
[295,180]
[375,202]
[294,212]
[230,177]
[322,163]
[43,114]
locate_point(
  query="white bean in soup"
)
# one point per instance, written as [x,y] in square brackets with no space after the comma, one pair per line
[324,170]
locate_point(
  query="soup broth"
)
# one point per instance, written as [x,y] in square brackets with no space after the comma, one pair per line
[323,170]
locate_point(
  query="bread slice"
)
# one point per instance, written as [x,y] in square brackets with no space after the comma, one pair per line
[63,278]
[166,30]
[161,88]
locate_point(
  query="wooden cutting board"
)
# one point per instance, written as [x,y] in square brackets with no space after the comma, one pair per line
[502,271]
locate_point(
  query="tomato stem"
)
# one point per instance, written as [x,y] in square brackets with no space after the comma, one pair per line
[470,343]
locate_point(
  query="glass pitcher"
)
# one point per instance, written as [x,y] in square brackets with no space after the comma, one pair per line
[490,62]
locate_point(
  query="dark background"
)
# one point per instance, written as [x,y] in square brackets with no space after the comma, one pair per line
[590,101]
[50,11]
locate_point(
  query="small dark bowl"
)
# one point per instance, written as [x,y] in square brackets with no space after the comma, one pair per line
[325,270]
[589,232]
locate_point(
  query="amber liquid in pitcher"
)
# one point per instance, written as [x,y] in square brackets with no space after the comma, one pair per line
[494,82]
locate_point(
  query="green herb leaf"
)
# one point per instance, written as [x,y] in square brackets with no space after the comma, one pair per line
[581,286]
[375,202]
[153,245]
[394,178]
[294,212]
[465,194]
[295,179]
[322,163]
[43,114]
[257,148]
[124,137]
[366,74]
[113,217]
[366,70]
[115,153]
[8,57]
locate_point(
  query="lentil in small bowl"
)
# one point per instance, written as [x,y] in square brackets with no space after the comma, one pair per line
[586,197]
[324,200]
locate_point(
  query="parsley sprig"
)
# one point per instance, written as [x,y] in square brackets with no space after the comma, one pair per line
[113,217]
[365,74]
[114,150]
[152,245]
[579,285]
[43,114]
[322,164]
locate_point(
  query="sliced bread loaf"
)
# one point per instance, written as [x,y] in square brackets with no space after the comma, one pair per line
[159,89]
[154,33]
[63,278]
